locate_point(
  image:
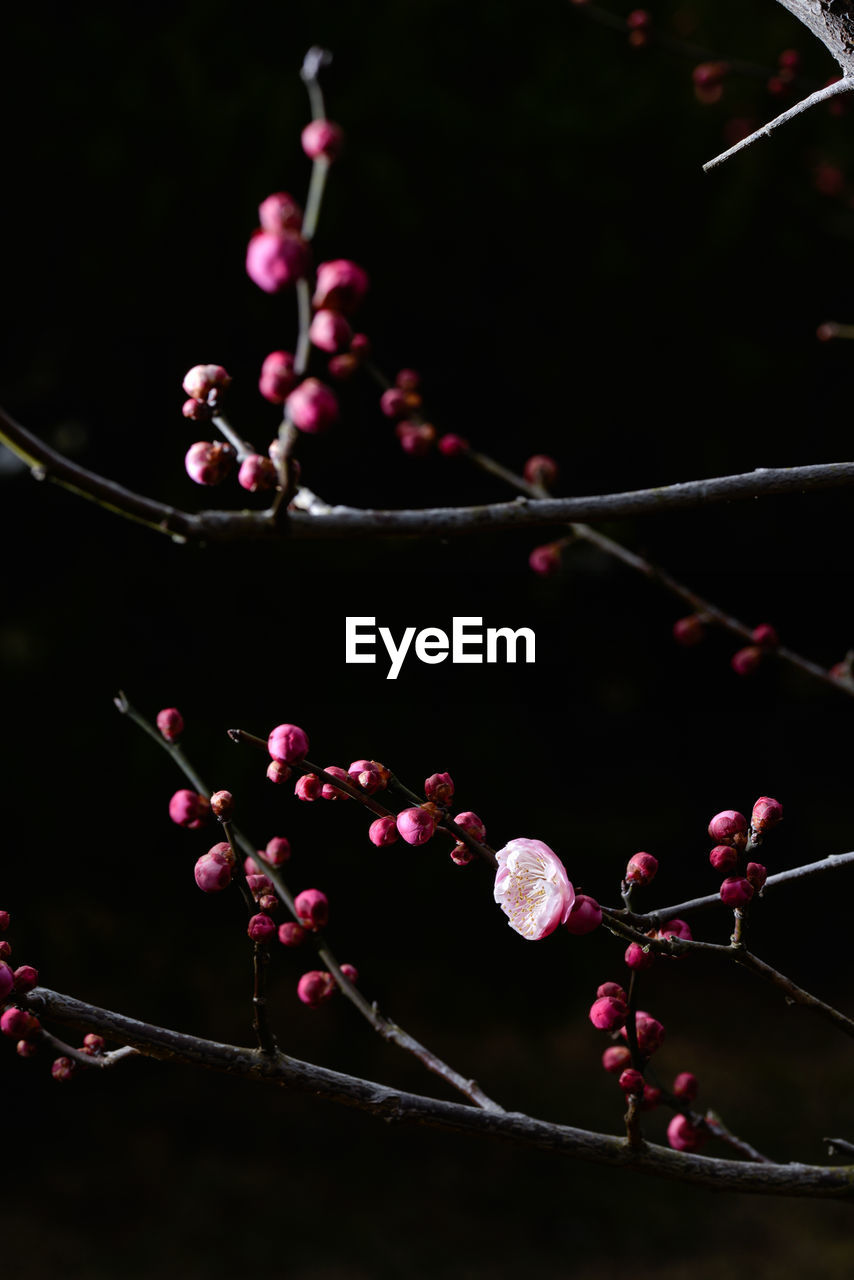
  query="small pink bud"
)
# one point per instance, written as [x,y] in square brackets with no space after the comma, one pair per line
[202,379]
[5,949]
[365,774]
[736,891]
[637,958]
[641,869]
[342,367]
[416,438]
[212,873]
[62,1069]
[315,987]
[756,874]
[471,824]
[312,406]
[541,469]
[278,772]
[251,868]
[223,852]
[408,380]
[26,978]
[321,139]
[341,285]
[329,330]
[439,788]
[416,825]
[279,212]
[723,857]
[765,635]
[276,261]
[616,1058]
[453,446]
[269,902]
[689,631]
[683,1136]
[92,1043]
[585,916]
[766,814]
[650,1033]
[278,377]
[686,1086]
[651,1098]
[383,831]
[360,346]
[726,825]
[222,805]
[189,809]
[196,411]
[170,722]
[708,80]
[26,1048]
[631,1081]
[257,474]
[308,787]
[612,989]
[745,661]
[261,928]
[312,907]
[607,1014]
[545,560]
[292,934]
[258,883]
[351,973]
[677,929]
[328,792]
[277,851]
[18,1024]
[393,403]
[461,855]
[4,920]
[287,743]
[209,462]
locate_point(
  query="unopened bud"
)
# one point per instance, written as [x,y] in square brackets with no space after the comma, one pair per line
[545,560]
[308,787]
[383,831]
[189,809]
[616,1058]
[261,928]
[637,957]
[321,139]
[683,1135]
[631,1081]
[439,788]
[276,261]
[278,377]
[689,631]
[756,874]
[222,805]
[280,212]
[541,469]
[170,722]
[62,1069]
[746,660]
[453,446]
[278,772]
[736,891]
[585,916]
[329,331]
[641,869]
[350,972]
[315,987]
[766,814]
[461,854]
[277,851]
[686,1086]
[608,1013]
[292,934]
[312,907]
[26,978]
[726,825]
[416,825]
[723,857]
[312,406]
[209,462]
[287,743]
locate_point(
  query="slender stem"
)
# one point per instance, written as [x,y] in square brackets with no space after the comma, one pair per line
[826,1181]
[718,1129]
[103,1060]
[241,447]
[839,1144]
[845,85]
[260,1022]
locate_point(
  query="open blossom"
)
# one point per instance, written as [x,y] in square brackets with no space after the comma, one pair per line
[532,888]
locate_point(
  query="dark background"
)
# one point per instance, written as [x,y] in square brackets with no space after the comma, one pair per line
[525,191]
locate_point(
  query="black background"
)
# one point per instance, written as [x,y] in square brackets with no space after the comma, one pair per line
[525,191]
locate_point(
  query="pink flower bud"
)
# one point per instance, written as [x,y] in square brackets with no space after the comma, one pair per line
[631,1081]
[677,929]
[683,1136]
[257,474]
[651,1098]
[328,792]
[4,920]
[365,774]
[312,907]
[723,857]
[312,406]
[736,891]
[766,814]
[212,873]
[308,787]
[18,1024]
[746,660]
[453,446]
[287,743]
[612,989]
[637,958]
[607,1014]
[26,978]
[222,805]
[439,788]
[545,560]
[461,855]
[360,346]
[170,722]
[531,886]
[26,1048]
[223,851]
[393,403]
[189,809]
[278,377]
[202,379]
[5,950]
[416,825]
[351,973]
[765,635]
[292,934]
[686,1086]
[209,462]
[756,874]
[541,469]
[321,139]
[278,772]
[383,831]
[261,928]
[341,285]
[280,212]
[473,826]
[585,916]
[416,438]
[92,1043]
[641,869]
[616,1058]
[650,1033]
[277,851]
[196,411]
[62,1069]
[315,987]
[269,902]
[726,825]
[275,261]
[258,883]
[329,330]
[689,631]
[342,367]
[250,867]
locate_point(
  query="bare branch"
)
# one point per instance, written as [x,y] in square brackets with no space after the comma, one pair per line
[845,85]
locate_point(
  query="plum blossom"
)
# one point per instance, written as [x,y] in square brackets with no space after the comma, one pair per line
[532,888]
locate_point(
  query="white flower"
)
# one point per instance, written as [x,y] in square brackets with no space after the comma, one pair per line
[532,888]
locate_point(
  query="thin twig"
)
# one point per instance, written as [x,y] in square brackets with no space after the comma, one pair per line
[845,85]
